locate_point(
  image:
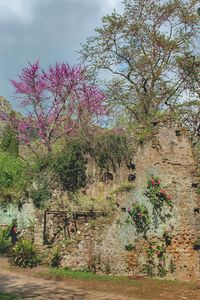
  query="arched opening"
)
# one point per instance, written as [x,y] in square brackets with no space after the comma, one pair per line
[131,177]
[108,176]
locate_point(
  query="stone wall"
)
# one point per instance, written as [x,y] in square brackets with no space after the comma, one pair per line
[113,245]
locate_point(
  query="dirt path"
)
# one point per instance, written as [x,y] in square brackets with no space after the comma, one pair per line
[27,285]
[31,287]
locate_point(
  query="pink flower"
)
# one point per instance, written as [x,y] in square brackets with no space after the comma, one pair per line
[129,209]
[158,181]
[153,181]
[140,215]
[169,197]
[163,192]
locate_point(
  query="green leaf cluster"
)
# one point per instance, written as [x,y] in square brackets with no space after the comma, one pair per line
[140,217]
[4,240]
[10,142]
[12,177]
[110,150]
[24,254]
[70,166]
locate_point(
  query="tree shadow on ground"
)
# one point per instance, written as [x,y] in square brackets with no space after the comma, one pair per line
[28,288]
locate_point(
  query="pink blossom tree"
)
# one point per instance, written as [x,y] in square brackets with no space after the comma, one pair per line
[58,101]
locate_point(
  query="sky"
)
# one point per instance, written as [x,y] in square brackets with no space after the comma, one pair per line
[48,30]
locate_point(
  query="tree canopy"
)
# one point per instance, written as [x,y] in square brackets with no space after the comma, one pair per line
[144,49]
[57,101]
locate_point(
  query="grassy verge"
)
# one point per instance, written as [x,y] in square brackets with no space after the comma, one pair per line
[87,276]
[84,275]
[6,296]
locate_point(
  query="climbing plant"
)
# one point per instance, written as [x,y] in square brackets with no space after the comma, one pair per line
[157,196]
[155,260]
[139,217]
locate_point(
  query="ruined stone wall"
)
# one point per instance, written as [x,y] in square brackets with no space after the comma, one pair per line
[168,156]
[113,245]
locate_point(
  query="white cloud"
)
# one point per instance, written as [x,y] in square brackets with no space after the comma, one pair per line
[50,30]
[17,9]
[113,2]
[107,6]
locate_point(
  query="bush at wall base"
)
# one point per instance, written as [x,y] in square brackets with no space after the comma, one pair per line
[24,254]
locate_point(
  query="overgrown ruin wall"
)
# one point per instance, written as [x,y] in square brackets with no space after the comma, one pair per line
[103,245]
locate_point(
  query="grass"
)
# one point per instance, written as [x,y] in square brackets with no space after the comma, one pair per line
[85,275]
[6,296]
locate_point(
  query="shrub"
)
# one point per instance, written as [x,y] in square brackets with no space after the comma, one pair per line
[12,177]
[70,166]
[129,247]
[55,258]
[4,240]
[110,150]
[41,194]
[10,142]
[24,254]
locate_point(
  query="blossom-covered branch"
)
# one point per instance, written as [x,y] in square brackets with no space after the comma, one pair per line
[58,101]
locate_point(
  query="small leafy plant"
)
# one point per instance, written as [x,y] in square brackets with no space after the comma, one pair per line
[4,240]
[197,244]
[129,247]
[55,258]
[24,254]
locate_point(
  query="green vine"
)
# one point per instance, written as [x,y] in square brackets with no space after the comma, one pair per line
[157,196]
[139,217]
[155,260]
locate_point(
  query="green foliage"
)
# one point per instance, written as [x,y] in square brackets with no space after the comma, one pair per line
[140,56]
[41,193]
[129,247]
[24,254]
[55,258]
[79,201]
[172,266]
[157,196]
[140,217]
[12,177]
[6,296]
[10,142]
[123,188]
[70,166]
[155,260]
[110,150]
[144,134]
[197,242]
[4,240]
